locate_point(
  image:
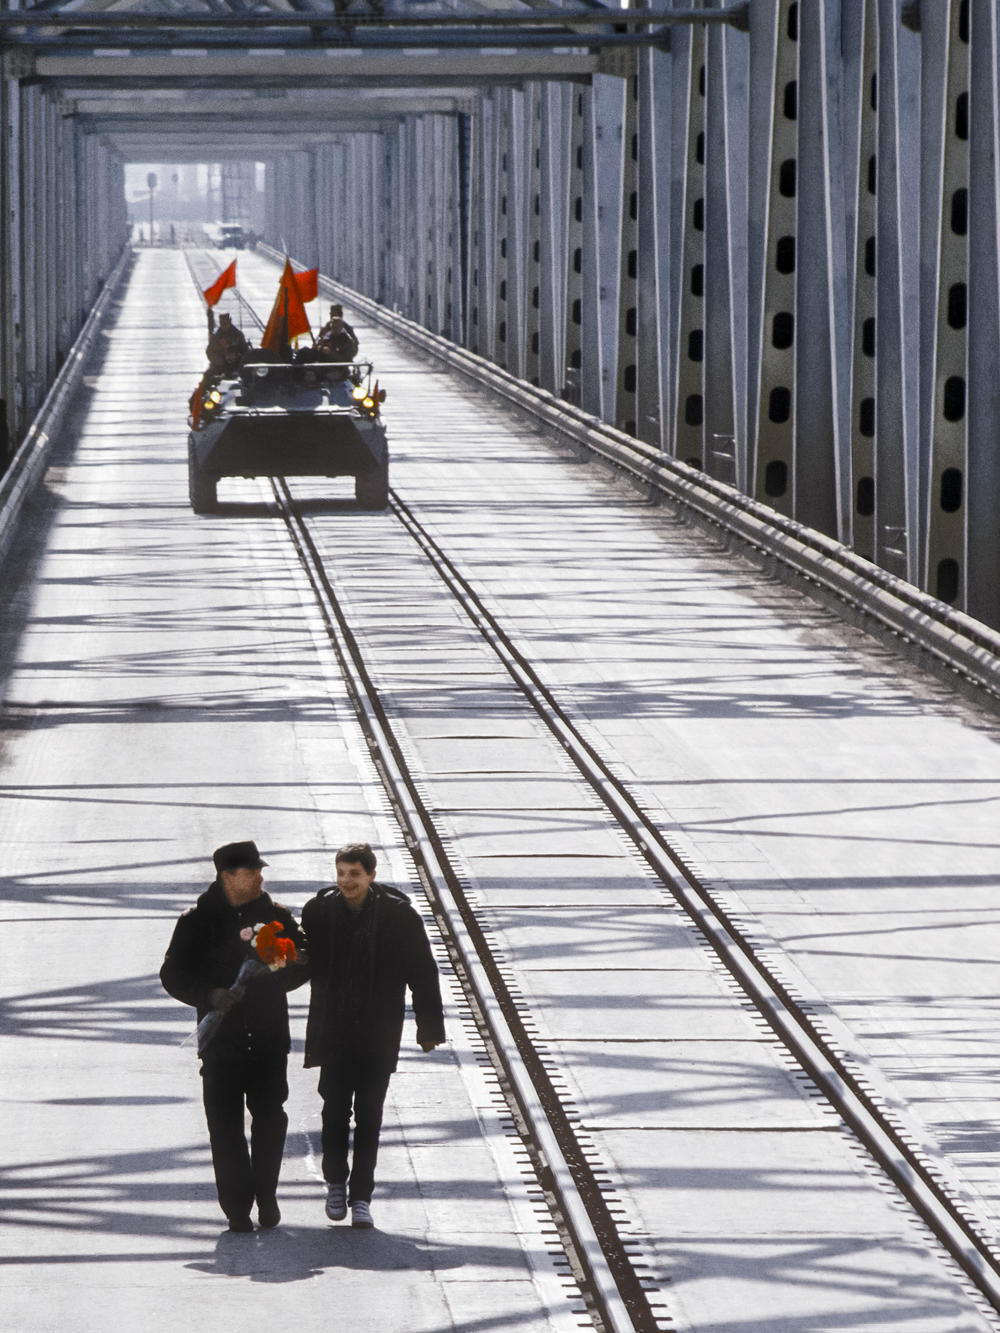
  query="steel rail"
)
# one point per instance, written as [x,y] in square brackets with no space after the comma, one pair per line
[609,1278]
[918,1178]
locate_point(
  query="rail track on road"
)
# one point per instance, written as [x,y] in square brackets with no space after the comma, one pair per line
[603,1255]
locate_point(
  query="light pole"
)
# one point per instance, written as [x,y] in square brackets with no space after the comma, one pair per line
[152,182]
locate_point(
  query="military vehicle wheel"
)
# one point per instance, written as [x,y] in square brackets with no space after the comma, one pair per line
[202,488]
[371,488]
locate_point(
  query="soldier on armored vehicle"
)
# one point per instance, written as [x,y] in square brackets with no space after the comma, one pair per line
[337,341]
[227,348]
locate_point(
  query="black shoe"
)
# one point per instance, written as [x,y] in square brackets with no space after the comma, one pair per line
[240,1224]
[268,1212]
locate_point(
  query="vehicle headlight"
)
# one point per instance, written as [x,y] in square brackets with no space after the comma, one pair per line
[368,402]
[358,393]
[215,398]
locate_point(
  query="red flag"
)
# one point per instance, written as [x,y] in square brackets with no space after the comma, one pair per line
[288,317]
[308,284]
[227,278]
[194,405]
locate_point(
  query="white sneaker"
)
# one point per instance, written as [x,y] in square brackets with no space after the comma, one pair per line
[336,1202]
[361,1215]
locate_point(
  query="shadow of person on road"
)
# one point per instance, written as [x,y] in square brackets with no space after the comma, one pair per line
[294,1254]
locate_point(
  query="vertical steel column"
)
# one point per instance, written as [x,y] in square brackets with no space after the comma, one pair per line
[774,454]
[385,217]
[652,293]
[689,391]
[608,102]
[416,193]
[510,233]
[864,517]
[366,182]
[49,265]
[463,228]
[983,592]
[724,247]
[518,176]
[821,278]
[501,227]
[481,210]
[533,234]
[553,195]
[895,405]
[324,212]
[67,236]
[11,287]
[629,277]
[452,130]
[33,201]
[440,211]
[572,391]
[947,552]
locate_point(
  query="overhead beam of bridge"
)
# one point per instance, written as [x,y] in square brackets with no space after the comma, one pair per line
[189,106]
[333,67]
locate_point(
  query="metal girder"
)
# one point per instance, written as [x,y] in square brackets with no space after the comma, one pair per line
[626,412]
[821,278]
[984,314]
[947,492]
[355,103]
[689,389]
[774,461]
[318,22]
[331,67]
[864,520]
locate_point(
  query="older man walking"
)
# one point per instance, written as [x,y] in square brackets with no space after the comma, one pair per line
[244,1037]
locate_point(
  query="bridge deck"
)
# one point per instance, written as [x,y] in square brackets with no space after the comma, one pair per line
[167,688]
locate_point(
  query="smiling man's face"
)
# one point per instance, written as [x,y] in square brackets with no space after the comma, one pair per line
[353,881]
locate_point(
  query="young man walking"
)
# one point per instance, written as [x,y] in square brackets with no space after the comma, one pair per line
[366,945]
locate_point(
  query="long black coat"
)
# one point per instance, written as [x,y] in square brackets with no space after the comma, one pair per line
[207,950]
[399,956]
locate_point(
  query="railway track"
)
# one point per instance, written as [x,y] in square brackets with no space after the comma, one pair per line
[609,1261]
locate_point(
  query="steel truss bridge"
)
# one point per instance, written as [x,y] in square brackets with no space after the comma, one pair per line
[761,237]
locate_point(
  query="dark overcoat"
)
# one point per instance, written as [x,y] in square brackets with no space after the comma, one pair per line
[207,950]
[398,956]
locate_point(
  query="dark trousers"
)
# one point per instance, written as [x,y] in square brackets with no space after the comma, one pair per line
[347,1080]
[261,1084]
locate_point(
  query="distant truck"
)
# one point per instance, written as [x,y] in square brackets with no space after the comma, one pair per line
[234,236]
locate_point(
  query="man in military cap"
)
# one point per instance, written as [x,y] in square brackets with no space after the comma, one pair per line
[245,1040]
[337,341]
[227,348]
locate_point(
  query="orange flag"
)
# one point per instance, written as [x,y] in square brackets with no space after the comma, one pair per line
[308,284]
[288,317]
[227,278]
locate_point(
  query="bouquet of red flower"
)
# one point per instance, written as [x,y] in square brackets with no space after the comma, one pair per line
[271,950]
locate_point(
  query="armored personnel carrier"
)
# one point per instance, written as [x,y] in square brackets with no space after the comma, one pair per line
[289,418]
